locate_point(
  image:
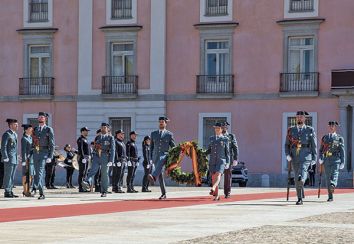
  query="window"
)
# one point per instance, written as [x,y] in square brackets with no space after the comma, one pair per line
[216,7]
[208,129]
[39,61]
[301,55]
[38,11]
[291,121]
[122,9]
[123,123]
[301,5]
[122,60]
[32,121]
[217,58]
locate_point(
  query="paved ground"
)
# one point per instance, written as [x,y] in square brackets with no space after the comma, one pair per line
[252,215]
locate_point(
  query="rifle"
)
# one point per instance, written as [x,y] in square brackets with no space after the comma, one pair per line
[319,182]
[289,179]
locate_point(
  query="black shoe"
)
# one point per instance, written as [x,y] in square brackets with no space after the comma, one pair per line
[82,190]
[145,190]
[13,195]
[130,191]
[227,196]
[8,195]
[48,187]
[135,191]
[330,199]
[85,185]
[103,194]
[72,187]
[120,191]
[53,187]
[163,196]
[41,197]
[299,202]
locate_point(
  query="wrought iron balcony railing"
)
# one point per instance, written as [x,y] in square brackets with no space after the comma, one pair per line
[215,84]
[124,85]
[36,86]
[299,82]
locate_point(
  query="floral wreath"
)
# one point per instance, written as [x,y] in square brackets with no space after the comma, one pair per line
[199,163]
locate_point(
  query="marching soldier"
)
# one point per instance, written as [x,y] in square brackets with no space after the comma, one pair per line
[332,156]
[9,156]
[219,151]
[161,141]
[233,156]
[300,151]
[43,143]
[119,162]
[27,159]
[147,163]
[84,155]
[133,161]
[103,156]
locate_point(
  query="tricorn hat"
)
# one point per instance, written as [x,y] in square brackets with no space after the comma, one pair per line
[302,113]
[26,126]
[333,122]
[10,121]
[119,132]
[105,124]
[218,124]
[84,129]
[164,118]
[43,114]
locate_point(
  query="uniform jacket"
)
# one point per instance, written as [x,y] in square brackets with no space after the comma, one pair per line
[45,139]
[160,144]
[301,146]
[332,149]
[69,158]
[146,154]
[83,147]
[121,154]
[132,151]
[9,146]
[26,148]
[107,144]
[219,150]
[233,146]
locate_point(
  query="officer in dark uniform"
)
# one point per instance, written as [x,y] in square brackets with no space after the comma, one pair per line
[69,168]
[43,143]
[233,159]
[84,156]
[97,179]
[161,141]
[147,163]
[1,171]
[133,161]
[332,156]
[301,151]
[50,174]
[119,162]
[9,156]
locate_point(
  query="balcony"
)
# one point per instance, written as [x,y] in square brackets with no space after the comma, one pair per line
[36,88]
[38,12]
[342,82]
[120,86]
[299,84]
[216,8]
[299,6]
[121,9]
[215,86]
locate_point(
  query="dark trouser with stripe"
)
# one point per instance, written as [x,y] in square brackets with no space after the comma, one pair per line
[130,177]
[82,173]
[147,171]
[227,181]
[117,174]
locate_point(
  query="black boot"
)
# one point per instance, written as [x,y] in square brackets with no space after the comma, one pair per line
[299,202]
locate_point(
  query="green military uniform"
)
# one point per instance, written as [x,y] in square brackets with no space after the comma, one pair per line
[300,148]
[332,155]
[9,157]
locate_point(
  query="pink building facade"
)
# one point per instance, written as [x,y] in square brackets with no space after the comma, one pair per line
[252,63]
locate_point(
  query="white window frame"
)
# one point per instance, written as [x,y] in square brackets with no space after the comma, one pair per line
[203,18]
[208,115]
[286,115]
[110,21]
[40,56]
[28,24]
[25,117]
[307,14]
[218,52]
[123,54]
[301,49]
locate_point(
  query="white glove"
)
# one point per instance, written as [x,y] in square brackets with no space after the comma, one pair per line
[23,163]
[129,163]
[150,161]
[109,164]
[6,160]
[288,158]
[48,160]
[313,162]
[84,161]
[69,160]
[137,164]
[341,166]
[227,166]
[119,164]
[234,163]
[148,166]
[320,161]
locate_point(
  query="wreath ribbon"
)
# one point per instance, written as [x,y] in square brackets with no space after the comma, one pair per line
[188,149]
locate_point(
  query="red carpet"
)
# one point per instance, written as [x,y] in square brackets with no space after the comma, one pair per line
[55,211]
